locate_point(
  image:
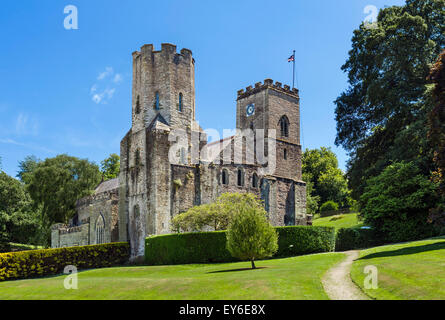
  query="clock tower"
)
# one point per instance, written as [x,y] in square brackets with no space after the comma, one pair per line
[272,106]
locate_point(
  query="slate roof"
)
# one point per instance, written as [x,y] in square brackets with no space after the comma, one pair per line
[107,186]
[158,123]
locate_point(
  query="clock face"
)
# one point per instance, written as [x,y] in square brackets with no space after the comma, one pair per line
[250,110]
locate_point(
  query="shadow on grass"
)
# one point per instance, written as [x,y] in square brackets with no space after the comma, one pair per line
[237,270]
[405,251]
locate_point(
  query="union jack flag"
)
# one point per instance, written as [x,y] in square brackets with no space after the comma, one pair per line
[291,58]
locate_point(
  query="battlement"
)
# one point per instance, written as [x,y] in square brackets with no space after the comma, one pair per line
[167,49]
[268,84]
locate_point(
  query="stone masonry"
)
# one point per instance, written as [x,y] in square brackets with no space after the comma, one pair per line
[152,188]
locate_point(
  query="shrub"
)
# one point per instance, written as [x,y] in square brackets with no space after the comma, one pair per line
[251,236]
[210,247]
[27,264]
[396,203]
[294,241]
[355,238]
[329,206]
[200,247]
[216,215]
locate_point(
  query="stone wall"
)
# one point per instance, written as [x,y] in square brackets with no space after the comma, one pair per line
[100,208]
[184,193]
[62,236]
[272,102]
[169,74]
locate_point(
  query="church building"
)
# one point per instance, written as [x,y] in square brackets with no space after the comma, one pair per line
[167,165]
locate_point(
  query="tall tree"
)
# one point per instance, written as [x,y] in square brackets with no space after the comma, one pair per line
[381,117]
[26,167]
[396,203]
[325,180]
[58,182]
[437,118]
[110,167]
[437,136]
[18,221]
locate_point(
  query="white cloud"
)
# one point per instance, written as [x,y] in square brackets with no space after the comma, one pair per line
[100,96]
[104,96]
[108,72]
[117,78]
[97,98]
[109,92]
[24,125]
[26,145]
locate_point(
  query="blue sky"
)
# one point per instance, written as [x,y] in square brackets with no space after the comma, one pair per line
[69,91]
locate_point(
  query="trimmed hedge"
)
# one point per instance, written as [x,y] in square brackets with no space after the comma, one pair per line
[183,248]
[34,263]
[294,241]
[210,247]
[355,238]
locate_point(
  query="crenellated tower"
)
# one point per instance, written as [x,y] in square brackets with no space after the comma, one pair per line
[163,103]
[163,86]
[272,106]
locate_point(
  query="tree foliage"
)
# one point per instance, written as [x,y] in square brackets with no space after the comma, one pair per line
[437,117]
[57,183]
[325,181]
[329,206]
[437,135]
[26,168]
[19,221]
[312,201]
[385,108]
[250,235]
[396,203]
[110,167]
[215,216]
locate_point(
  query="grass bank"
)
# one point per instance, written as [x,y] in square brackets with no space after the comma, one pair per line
[408,271]
[289,279]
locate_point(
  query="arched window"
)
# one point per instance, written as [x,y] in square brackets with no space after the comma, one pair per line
[225,177]
[136,212]
[285,154]
[180,103]
[284,126]
[157,104]
[255,181]
[138,105]
[240,177]
[100,229]
[137,158]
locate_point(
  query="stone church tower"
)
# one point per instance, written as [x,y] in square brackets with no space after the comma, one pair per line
[167,166]
[163,99]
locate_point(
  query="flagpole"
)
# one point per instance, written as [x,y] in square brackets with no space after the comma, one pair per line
[293,74]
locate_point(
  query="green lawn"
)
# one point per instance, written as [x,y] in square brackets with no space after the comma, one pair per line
[410,271]
[289,279]
[341,221]
[23,247]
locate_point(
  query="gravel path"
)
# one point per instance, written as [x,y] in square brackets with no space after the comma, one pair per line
[338,284]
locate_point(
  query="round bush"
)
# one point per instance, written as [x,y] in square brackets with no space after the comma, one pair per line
[329,206]
[251,236]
